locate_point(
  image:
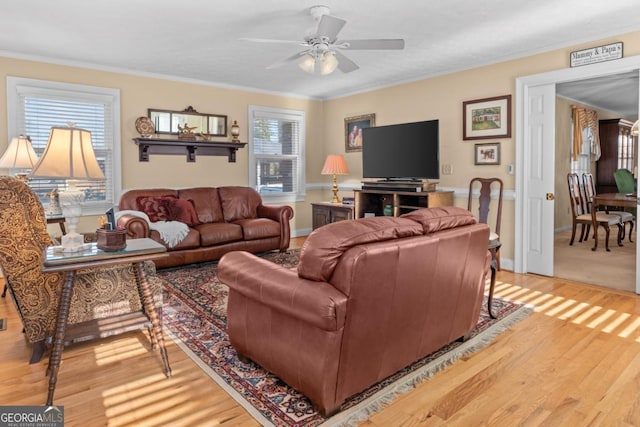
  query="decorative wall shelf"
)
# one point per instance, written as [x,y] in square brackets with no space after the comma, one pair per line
[148,146]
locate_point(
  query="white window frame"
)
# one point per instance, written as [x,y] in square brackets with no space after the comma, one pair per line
[294,115]
[18,86]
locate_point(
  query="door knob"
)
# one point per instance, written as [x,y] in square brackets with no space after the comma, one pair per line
[550,196]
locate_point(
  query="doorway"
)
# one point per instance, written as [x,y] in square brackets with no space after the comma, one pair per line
[612,97]
[535,118]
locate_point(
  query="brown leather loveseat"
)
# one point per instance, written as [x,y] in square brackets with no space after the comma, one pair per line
[219,220]
[369,297]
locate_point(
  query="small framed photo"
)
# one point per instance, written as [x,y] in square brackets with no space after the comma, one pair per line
[487,118]
[353,131]
[487,154]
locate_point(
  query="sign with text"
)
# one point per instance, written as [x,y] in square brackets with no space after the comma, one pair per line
[594,55]
[31,416]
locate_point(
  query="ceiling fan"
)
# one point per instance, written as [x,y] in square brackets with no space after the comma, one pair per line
[322,48]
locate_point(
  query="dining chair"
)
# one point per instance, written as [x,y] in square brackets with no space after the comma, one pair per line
[581,216]
[484,187]
[625,181]
[625,217]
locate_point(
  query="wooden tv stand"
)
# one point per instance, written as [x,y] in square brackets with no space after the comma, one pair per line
[374,201]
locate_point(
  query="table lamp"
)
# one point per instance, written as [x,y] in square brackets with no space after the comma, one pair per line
[335,165]
[69,155]
[19,155]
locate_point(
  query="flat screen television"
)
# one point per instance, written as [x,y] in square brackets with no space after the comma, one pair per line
[404,151]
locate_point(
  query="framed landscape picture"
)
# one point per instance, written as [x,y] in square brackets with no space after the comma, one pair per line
[487,118]
[487,154]
[353,131]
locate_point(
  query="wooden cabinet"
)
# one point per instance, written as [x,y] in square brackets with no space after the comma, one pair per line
[618,150]
[326,213]
[373,202]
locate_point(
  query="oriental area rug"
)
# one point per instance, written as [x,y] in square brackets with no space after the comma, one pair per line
[194,316]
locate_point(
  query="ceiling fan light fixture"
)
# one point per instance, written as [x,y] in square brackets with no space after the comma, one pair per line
[328,63]
[308,63]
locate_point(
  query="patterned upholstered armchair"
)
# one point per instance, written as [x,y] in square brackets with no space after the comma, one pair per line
[97,293]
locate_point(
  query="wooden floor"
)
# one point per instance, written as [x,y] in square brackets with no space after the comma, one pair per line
[574,362]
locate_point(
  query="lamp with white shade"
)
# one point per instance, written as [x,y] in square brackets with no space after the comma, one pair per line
[335,165]
[69,155]
[19,155]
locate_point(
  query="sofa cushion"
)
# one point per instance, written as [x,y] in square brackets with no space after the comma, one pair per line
[325,245]
[215,233]
[182,210]
[441,218]
[206,202]
[129,200]
[155,207]
[239,202]
[258,228]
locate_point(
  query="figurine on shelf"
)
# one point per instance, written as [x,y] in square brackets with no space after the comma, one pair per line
[186,131]
[235,132]
[205,136]
[53,208]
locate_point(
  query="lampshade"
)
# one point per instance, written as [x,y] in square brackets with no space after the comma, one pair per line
[335,165]
[69,155]
[19,155]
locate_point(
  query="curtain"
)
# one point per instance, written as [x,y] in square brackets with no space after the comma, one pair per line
[584,118]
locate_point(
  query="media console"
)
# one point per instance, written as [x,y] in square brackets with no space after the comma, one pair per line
[372,202]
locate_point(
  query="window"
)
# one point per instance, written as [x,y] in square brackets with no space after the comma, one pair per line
[34,106]
[582,162]
[276,157]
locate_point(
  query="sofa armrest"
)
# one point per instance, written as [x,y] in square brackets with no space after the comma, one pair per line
[137,227]
[316,303]
[283,215]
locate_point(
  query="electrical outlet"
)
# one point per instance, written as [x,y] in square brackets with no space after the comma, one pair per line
[447,169]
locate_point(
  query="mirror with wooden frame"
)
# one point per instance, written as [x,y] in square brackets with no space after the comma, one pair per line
[170,122]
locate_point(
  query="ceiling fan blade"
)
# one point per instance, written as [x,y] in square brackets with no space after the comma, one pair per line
[371,44]
[345,64]
[329,26]
[287,60]
[249,39]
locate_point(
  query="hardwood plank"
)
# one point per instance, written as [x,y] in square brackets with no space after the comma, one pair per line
[574,361]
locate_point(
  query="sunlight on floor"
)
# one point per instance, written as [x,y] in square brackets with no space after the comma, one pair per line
[623,324]
[108,354]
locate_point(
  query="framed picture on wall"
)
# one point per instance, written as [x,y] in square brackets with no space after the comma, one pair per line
[353,131]
[487,118]
[487,154]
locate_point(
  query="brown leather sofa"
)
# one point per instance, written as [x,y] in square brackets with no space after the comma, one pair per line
[369,297]
[220,220]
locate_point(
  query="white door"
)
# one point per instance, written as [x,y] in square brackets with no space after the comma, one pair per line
[539,173]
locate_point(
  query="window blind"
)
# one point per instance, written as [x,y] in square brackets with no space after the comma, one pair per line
[277,146]
[40,105]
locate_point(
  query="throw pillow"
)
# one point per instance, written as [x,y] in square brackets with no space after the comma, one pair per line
[182,210]
[154,207]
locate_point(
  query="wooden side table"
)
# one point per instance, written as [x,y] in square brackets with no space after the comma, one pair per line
[327,212]
[137,251]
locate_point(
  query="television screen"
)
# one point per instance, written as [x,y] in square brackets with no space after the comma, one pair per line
[402,151]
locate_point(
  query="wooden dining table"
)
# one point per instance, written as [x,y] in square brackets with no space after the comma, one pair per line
[625,200]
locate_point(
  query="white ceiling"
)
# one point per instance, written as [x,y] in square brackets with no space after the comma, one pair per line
[199,40]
